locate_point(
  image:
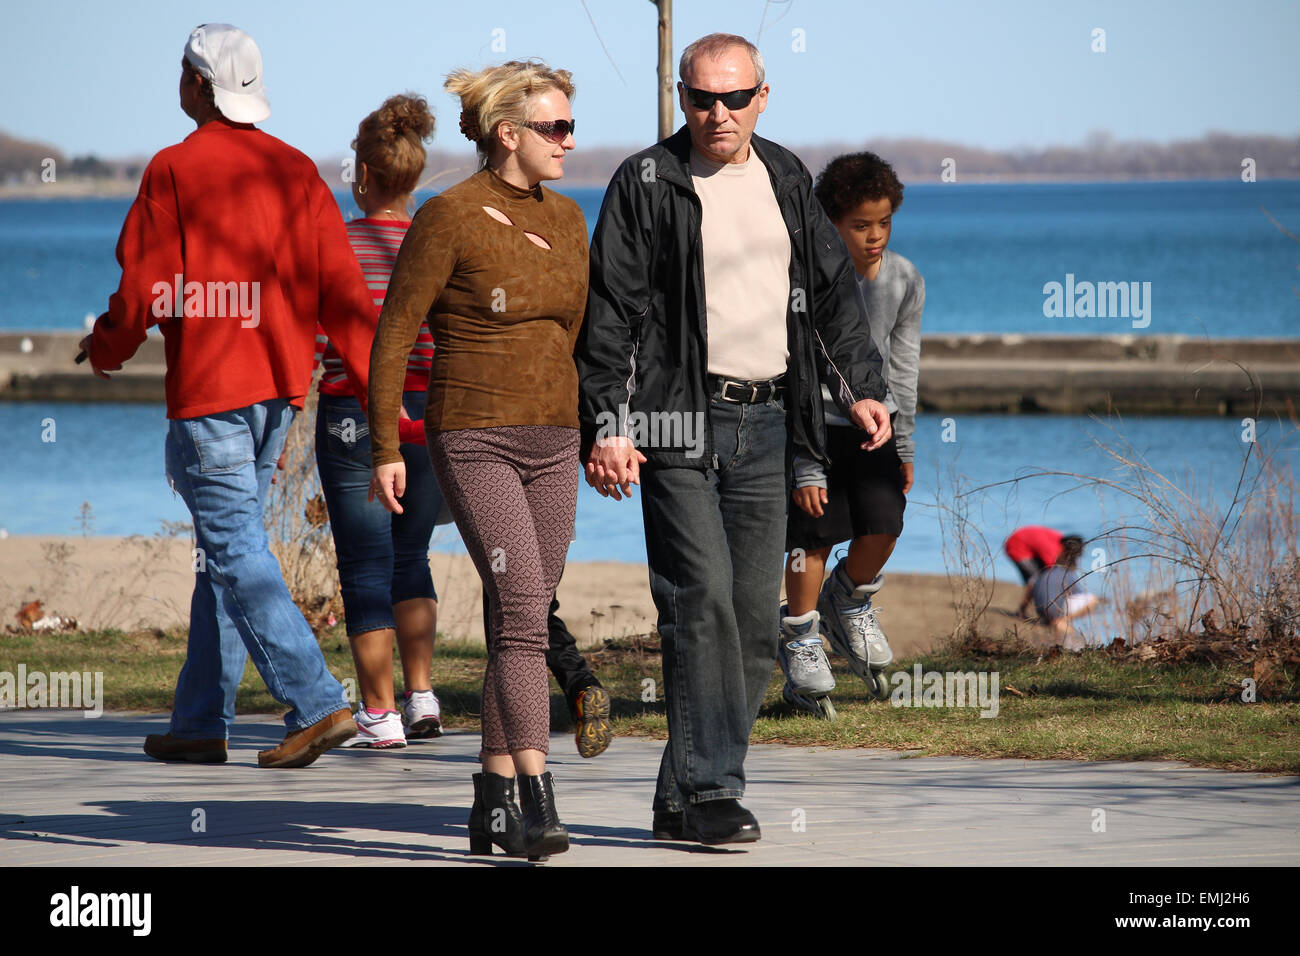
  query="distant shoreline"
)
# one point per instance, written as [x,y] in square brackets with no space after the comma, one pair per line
[26,165]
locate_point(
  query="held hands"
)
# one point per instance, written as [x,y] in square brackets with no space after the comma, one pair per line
[873,418]
[388,483]
[614,464]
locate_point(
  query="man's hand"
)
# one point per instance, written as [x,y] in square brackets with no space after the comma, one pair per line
[84,345]
[388,482]
[811,498]
[906,468]
[873,418]
[614,464]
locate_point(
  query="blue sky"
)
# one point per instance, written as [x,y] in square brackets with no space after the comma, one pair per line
[96,77]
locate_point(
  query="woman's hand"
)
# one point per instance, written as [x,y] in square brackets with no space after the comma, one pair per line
[388,483]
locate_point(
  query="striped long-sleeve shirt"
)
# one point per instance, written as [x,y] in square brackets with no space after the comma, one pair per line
[375,242]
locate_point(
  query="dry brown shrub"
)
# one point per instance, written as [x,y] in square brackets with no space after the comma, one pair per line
[967,558]
[297,525]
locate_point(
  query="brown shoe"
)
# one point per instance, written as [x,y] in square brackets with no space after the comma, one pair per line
[593,732]
[167,747]
[302,747]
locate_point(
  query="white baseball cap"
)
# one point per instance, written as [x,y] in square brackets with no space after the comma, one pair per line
[229,59]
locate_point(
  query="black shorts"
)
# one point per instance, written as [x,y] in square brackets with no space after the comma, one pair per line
[864,494]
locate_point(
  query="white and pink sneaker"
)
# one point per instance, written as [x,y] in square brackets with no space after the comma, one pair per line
[423,715]
[380,729]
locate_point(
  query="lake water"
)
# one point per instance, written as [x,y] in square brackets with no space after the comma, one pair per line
[1215,263]
[110,456]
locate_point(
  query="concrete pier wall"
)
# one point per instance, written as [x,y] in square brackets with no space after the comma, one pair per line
[1066,374]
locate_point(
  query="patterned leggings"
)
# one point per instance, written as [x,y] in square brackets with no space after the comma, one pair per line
[513,491]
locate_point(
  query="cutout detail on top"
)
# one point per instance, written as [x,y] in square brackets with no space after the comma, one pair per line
[501,217]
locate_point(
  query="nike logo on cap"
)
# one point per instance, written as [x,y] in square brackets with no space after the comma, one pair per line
[246,82]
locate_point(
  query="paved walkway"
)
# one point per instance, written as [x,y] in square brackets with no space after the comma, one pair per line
[80,792]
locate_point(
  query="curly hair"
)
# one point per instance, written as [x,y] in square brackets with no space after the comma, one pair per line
[855,178]
[1071,548]
[498,94]
[390,142]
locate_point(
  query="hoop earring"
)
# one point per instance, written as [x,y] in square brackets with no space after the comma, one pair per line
[361,190]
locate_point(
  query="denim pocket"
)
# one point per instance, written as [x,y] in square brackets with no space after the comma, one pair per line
[348,432]
[221,452]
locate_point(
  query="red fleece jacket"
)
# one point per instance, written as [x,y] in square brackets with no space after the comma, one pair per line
[246,227]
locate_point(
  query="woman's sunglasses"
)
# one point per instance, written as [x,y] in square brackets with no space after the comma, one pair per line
[735,100]
[557,131]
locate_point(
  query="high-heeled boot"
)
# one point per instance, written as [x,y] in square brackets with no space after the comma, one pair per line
[495,817]
[544,834]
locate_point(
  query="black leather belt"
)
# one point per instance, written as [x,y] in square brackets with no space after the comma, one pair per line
[747,393]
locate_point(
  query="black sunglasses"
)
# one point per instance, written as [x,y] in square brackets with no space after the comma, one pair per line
[734,100]
[557,131]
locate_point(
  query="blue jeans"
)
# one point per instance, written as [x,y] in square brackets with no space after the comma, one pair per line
[383,559]
[222,466]
[715,541]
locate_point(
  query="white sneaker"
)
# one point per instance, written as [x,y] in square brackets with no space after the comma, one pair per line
[422,714]
[380,731]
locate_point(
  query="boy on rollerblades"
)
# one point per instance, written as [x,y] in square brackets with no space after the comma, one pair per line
[859,495]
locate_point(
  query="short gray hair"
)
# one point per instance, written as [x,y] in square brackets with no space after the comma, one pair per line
[714,46]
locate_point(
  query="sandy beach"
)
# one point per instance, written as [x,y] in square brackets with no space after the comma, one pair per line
[136,583]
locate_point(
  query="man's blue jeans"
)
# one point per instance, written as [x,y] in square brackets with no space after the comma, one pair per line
[715,541]
[222,466]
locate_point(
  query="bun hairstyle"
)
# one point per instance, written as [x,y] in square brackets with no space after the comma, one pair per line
[390,141]
[498,94]
[1071,548]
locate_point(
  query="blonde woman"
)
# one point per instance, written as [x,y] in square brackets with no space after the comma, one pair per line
[498,264]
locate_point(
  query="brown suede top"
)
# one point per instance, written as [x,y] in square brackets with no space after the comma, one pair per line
[503,311]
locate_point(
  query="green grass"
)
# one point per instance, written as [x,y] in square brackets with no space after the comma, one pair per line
[1083,707]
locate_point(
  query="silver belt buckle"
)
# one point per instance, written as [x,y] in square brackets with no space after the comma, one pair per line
[728,383]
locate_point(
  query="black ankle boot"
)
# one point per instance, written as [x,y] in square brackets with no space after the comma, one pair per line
[495,816]
[544,834]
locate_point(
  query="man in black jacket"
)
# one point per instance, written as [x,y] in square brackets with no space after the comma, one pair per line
[711,393]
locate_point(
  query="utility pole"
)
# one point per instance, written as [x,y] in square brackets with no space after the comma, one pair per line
[665,67]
